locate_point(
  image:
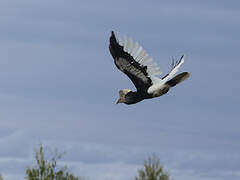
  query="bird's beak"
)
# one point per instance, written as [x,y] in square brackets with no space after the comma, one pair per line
[119,101]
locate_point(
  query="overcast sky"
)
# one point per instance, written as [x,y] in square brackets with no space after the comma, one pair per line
[59,85]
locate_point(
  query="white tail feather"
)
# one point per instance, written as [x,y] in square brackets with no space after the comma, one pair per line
[175,69]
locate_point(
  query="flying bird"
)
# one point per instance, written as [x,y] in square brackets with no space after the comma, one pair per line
[132,59]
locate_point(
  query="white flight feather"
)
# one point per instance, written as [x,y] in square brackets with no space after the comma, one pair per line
[125,43]
[137,52]
[133,48]
[143,57]
[139,55]
[130,45]
[119,39]
[148,60]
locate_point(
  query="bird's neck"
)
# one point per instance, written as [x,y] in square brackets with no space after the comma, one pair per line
[133,97]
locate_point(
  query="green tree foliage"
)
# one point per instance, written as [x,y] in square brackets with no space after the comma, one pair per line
[47,169]
[152,170]
[1,178]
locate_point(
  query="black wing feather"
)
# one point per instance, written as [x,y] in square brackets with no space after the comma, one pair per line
[126,63]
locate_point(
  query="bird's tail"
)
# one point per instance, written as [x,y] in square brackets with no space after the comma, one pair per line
[178,79]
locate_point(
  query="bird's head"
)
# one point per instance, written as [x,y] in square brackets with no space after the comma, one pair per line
[122,94]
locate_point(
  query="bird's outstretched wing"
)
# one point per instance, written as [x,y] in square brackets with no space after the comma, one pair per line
[132,60]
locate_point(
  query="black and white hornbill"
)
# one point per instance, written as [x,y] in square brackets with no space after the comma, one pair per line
[131,59]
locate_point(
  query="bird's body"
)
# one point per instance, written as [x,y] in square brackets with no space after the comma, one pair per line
[131,59]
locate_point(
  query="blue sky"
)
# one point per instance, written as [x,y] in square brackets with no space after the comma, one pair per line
[58,86]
